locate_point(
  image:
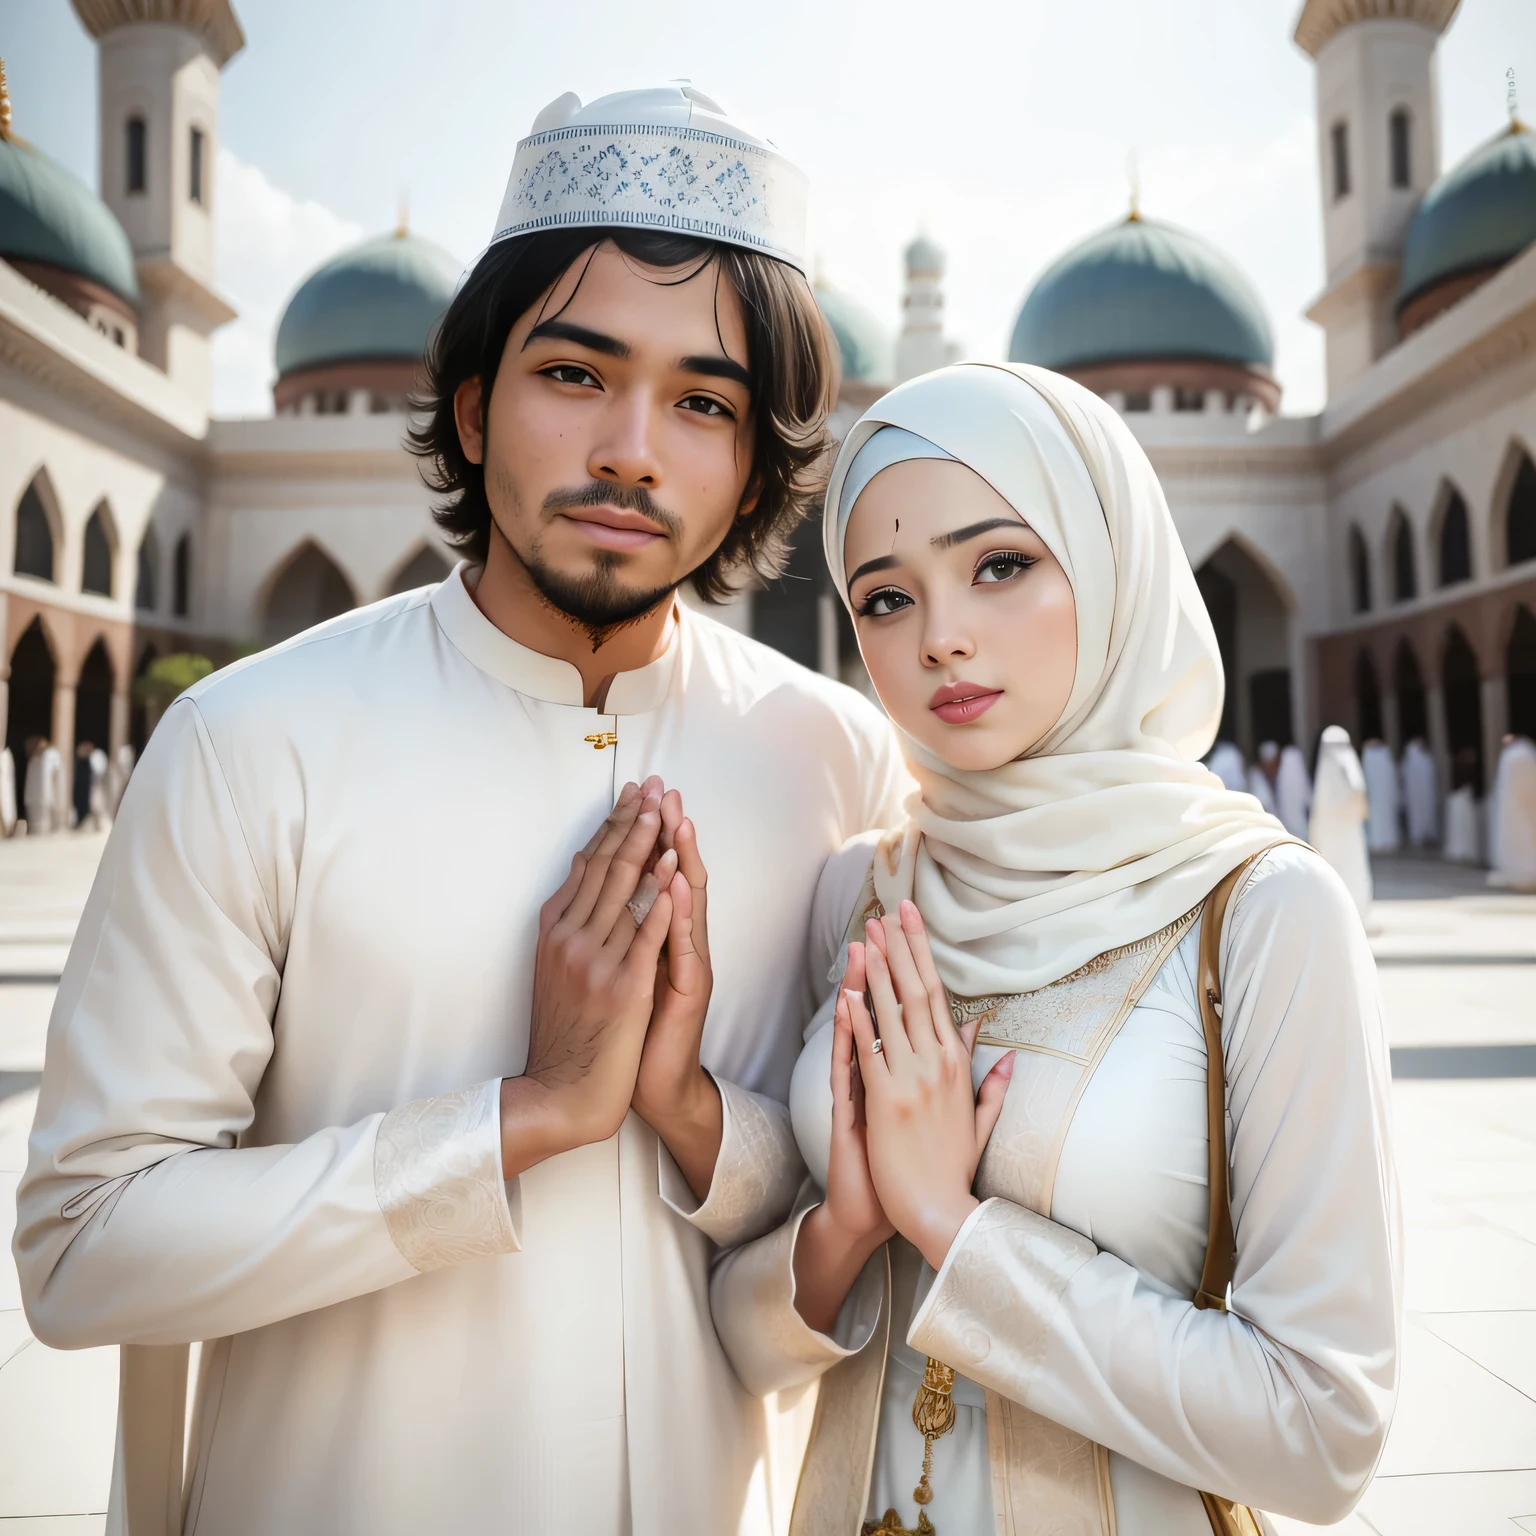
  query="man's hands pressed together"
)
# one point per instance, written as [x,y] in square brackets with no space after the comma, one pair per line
[621,987]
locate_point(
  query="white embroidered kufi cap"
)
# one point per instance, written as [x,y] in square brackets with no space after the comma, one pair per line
[663,158]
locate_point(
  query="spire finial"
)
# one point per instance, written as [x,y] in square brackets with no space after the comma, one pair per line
[1512,101]
[1133,177]
[5,106]
[403,216]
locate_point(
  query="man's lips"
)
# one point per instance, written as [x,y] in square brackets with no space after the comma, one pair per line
[960,703]
[614,527]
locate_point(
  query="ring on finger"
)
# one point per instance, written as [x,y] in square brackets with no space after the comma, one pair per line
[877,1047]
[639,905]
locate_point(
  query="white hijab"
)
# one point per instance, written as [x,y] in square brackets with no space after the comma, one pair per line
[1109,828]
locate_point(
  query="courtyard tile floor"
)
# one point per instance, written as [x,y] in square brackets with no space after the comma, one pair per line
[1458,968]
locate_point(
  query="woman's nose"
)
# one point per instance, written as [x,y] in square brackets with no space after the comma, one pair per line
[946,643]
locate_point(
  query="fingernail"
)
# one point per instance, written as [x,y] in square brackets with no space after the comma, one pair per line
[910,916]
[629,792]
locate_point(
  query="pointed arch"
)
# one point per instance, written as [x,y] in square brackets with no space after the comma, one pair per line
[34,670]
[39,530]
[1412,698]
[1451,536]
[1368,716]
[138,715]
[93,696]
[1514,506]
[426,565]
[147,576]
[100,551]
[1461,686]
[1401,561]
[1359,570]
[307,589]
[181,577]
[1520,672]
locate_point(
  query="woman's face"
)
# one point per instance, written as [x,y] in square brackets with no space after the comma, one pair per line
[966,620]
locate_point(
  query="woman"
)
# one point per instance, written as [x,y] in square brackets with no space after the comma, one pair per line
[1031,624]
[1339,812]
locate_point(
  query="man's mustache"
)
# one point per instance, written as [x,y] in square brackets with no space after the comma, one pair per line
[630,499]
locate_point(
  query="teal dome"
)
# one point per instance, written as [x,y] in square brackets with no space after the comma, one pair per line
[378,300]
[1140,291]
[48,216]
[1478,215]
[868,353]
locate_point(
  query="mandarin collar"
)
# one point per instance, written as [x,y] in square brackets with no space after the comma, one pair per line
[539,676]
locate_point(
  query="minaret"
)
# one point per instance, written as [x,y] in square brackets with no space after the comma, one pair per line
[1378,145]
[921,347]
[159,63]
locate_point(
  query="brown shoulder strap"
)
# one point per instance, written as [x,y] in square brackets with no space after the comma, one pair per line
[1220,1246]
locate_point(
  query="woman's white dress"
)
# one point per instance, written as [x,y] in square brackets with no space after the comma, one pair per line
[1285,1400]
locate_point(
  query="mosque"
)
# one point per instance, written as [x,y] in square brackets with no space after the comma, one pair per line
[1372,565]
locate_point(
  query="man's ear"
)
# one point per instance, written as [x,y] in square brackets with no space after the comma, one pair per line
[469,418]
[751,496]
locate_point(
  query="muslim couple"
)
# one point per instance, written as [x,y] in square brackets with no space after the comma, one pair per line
[729,1107]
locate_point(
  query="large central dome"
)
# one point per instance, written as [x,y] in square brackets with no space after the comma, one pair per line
[1142,291]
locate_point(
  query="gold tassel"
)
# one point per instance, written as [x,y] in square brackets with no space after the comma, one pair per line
[933,1415]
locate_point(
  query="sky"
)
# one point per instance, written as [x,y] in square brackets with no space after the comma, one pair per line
[1002,128]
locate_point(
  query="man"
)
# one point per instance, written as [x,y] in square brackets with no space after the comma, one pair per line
[80,787]
[309,1026]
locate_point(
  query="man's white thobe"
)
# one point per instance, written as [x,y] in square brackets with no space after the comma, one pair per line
[1421,793]
[1382,831]
[268,1116]
[1340,807]
[1513,844]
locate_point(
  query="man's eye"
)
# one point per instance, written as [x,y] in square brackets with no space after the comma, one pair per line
[1003,566]
[882,602]
[705,405]
[569,373]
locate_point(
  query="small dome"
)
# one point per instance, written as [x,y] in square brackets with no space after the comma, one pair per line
[923,255]
[868,352]
[378,300]
[1475,217]
[1142,290]
[50,217]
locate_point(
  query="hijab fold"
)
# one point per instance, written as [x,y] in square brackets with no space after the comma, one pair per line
[1109,828]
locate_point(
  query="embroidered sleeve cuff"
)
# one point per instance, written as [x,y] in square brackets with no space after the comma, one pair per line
[756,1175]
[989,1310]
[784,1350]
[437,1174]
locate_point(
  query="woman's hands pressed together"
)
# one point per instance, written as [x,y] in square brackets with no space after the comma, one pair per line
[926,1129]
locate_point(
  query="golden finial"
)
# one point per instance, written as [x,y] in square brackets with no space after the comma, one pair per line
[1133,176]
[5,106]
[403,217]
[1512,101]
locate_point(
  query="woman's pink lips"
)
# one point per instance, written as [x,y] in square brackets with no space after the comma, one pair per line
[971,706]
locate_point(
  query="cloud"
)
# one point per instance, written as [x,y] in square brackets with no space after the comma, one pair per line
[265,243]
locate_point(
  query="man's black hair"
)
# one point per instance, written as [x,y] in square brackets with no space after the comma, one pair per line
[789,356]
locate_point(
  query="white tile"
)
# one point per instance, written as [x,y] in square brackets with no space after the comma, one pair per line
[16,1114]
[13,1334]
[58,1413]
[1457,1005]
[1350,1525]
[1459,1267]
[54,1525]
[1474,1504]
[24,1014]
[1453,1416]
[1503,1343]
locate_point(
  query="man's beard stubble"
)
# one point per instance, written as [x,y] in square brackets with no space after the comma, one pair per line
[597,602]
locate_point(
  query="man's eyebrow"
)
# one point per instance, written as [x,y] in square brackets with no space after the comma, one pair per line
[715,366]
[883,563]
[593,341]
[975,530]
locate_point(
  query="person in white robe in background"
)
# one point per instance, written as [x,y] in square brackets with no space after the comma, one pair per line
[1262,776]
[1226,762]
[1045,894]
[7,792]
[1293,791]
[1340,808]
[1513,847]
[1463,842]
[366,1068]
[1384,826]
[1421,793]
[43,788]
[118,776]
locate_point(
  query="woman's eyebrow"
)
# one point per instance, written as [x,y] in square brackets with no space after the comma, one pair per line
[975,530]
[883,563]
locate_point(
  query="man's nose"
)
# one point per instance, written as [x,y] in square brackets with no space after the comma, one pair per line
[626,451]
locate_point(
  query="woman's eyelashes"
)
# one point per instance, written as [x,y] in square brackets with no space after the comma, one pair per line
[1002,565]
[882,602]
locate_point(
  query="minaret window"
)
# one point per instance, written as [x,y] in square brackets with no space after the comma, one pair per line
[149,559]
[34,537]
[195,174]
[1405,585]
[181,574]
[1339,139]
[136,154]
[1455,543]
[96,574]
[1399,131]
[1360,572]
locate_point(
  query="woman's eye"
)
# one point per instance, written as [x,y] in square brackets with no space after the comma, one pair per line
[569,373]
[704,405]
[1003,566]
[886,600]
